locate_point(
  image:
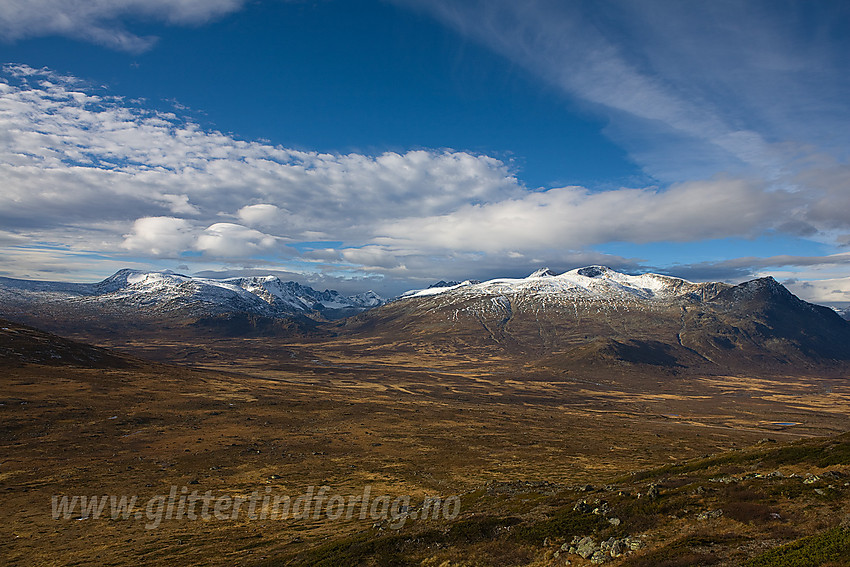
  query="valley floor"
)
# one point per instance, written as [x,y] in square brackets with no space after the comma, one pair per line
[518,445]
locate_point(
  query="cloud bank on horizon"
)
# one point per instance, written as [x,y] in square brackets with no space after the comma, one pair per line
[733,109]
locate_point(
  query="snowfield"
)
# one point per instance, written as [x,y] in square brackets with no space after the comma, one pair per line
[167,291]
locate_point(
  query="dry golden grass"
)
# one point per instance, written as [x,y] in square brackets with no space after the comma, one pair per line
[347,415]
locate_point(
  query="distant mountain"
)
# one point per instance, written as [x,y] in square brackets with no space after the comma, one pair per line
[166,291]
[844,312]
[596,316]
[131,297]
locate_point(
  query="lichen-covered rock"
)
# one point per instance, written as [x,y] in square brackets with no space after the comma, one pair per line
[618,548]
[586,547]
[583,507]
[709,515]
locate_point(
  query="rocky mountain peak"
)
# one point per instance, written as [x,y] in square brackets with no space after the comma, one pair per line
[542,273]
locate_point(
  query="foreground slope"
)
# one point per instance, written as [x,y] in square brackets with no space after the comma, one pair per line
[20,345]
[540,466]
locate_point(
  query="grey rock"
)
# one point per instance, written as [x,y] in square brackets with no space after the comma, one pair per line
[618,548]
[583,507]
[709,515]
[586,547]
[633,543]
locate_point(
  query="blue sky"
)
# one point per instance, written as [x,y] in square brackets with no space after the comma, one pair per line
[386,145]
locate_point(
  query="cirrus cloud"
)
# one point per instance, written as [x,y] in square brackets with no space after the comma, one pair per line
[101,21]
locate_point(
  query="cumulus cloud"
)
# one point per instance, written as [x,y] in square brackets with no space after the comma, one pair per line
[96,173]
[230,240]
[159,236]
[70,156]
[261,215]
[574,217]
[101,21]
[170,236]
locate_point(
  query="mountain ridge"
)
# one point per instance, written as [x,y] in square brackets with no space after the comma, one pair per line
[587,318]
[165,291]
[595,316]
[589,280]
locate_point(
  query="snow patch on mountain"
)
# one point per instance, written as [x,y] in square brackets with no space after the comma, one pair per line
[435,289]
[168,291]
[598,282]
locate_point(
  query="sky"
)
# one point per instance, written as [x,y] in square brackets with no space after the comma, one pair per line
[389,144]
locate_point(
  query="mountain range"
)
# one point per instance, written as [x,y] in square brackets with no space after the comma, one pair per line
[584,318]
[594,316]
[157,303]
[167,292]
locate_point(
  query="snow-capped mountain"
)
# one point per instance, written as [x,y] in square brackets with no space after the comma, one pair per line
[592,282]
[596,315]
[167,292]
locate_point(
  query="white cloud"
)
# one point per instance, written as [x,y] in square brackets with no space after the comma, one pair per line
[835,291]
[100,21]
[230,240]
[371,257]
[94,173]
[170,236]
[575,218]
[56,263]
[159,236]
[260,215]
[69,157]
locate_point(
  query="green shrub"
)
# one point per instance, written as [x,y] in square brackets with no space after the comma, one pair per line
[564,524]
[832,546]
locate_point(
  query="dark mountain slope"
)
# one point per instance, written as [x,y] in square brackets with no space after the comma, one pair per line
[595,316]
[20,344]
